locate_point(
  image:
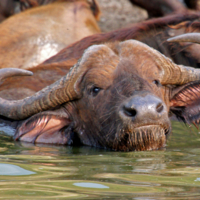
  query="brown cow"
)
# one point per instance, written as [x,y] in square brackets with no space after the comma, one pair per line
[30,37]
[117,96]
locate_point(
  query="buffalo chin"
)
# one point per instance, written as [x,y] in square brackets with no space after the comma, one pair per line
[143,138]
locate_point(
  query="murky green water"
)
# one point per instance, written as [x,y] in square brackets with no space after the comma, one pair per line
[52,172]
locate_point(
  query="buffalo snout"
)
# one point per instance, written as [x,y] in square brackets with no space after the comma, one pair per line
[143,108]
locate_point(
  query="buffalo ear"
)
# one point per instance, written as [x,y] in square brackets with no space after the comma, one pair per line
[46,128]
[185,102]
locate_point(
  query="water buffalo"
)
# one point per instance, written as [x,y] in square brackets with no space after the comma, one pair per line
[30,37]
[117,96]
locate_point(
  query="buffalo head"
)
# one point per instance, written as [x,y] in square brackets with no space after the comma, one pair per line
[118,96]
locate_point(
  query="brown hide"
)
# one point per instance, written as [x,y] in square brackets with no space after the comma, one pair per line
[29,38]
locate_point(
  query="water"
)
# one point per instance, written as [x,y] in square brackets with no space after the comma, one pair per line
[57,172]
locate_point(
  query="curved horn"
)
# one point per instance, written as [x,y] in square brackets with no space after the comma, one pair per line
[176,74]
[47,98]
[9,72]
[169,72]
[187,74]
[172,73]
[188,37]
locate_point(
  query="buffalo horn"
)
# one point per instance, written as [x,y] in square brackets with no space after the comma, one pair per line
[60,92]
[177,74]
[188,37]
[182,74]
[169,72]
[8,72]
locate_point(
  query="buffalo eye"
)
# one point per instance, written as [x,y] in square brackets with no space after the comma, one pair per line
[95,90]
[157,83]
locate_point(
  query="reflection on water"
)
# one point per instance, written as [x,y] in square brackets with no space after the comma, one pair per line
[13,170]
[90,185]
[58,172]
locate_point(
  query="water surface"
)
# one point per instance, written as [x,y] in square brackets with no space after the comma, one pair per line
[58,172]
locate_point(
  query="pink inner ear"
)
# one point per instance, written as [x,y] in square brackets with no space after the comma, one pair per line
[187,96]
[45,129]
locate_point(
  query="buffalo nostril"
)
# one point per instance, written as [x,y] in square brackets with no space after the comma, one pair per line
[130,112]
[159,108]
